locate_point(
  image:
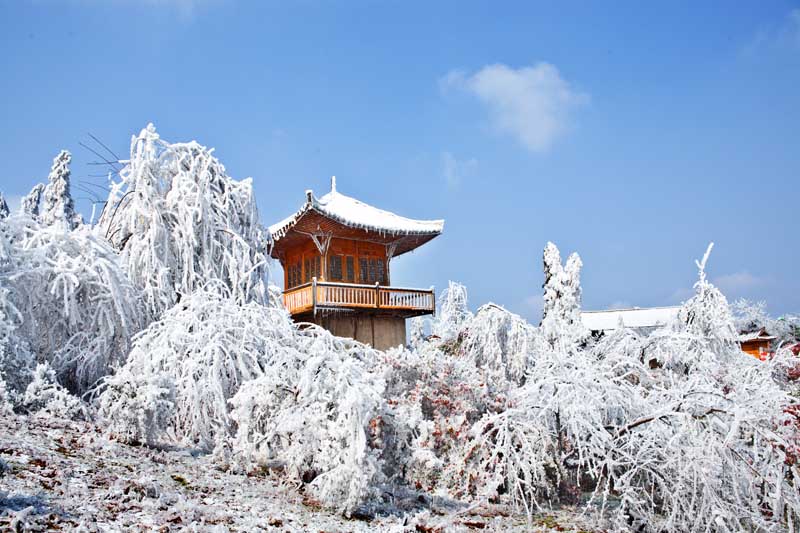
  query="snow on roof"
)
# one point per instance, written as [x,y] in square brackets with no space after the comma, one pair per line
[756,335]
[357,214]
[633,318]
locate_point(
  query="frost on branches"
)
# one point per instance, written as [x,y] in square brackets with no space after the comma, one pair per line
[183,368]
[315,416]
[59,209]
[73,305]
[179,221]
[243,380]
[665,433]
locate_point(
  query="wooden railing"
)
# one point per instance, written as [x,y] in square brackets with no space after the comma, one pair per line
[316,295]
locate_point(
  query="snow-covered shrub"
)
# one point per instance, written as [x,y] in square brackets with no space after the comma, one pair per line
[179,222]
[6,403]
[451,311]
[433,402]
[501,342]
[16,361]
[203,348]
[45,396]
[313,414]
[138,407]
[75,306]
[59,208]
[704,437]
[704,434]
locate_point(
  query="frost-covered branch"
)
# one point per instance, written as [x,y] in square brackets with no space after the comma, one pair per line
[179,221]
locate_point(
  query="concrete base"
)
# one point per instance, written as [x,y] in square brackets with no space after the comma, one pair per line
[380,332]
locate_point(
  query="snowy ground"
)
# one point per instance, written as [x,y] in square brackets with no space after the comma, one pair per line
[63,475]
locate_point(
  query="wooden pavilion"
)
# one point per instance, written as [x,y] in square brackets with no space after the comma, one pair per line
[336,254]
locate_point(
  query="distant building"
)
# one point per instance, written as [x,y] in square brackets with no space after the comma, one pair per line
[641,320]
[336,254]
[646,320]
[757,343]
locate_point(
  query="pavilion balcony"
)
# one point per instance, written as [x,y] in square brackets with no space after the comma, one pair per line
[323,296]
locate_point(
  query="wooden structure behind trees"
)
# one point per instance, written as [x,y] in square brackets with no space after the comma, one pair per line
[336,254]
[757,343]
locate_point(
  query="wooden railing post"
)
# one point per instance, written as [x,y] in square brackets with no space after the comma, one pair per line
[314,294]
[377,294]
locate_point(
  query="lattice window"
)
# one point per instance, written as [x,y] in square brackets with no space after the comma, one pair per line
[363,270]
[351,269]
[335,267]
[291,276]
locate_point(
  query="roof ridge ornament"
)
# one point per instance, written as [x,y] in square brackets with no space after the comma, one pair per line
[333,183]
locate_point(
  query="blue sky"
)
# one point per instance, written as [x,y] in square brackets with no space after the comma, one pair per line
[631,132]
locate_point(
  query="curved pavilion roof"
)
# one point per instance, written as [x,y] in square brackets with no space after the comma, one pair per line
[348,218]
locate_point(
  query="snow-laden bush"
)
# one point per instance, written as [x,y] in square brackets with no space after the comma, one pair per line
[501,342]
[243,379]
[451,311]
[179,222]
[666,433]
[434,401]
[313,414]
[203,349]
[702,436]
[16,361]
[75,306]
[45,396]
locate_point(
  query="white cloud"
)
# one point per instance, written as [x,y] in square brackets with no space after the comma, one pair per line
[454,171]
[533,104]
[737,283]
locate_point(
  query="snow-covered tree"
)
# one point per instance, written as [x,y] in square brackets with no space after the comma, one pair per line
[4,211]
[315,414]
[243,379]
[58,208]
[500,342]
[452,310]
[707,434]
[75,306]
[202,350]
[32,201]
[179,221]
[561,313]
